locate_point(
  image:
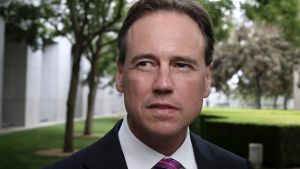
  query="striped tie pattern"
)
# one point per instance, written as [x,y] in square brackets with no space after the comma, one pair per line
[168,163]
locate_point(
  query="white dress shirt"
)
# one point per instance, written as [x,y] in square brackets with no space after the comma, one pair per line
[138,155]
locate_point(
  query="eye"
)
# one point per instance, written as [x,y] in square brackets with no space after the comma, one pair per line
[145,66]
[181,65]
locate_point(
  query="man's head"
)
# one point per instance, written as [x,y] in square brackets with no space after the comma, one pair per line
[187,7]
[164,72]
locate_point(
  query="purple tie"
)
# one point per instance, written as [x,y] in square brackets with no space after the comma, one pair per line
[168,163]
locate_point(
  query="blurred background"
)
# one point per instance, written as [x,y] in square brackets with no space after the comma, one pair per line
[57,66]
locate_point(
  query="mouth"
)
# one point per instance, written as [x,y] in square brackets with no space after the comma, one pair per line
[162,108]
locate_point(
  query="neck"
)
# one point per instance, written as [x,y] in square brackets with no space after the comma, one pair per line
[164,144]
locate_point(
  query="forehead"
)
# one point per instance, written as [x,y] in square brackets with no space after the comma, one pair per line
[164,18]
[164,29]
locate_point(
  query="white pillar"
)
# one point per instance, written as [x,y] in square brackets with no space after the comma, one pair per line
[297,89]
[33,87]
[49,86]
[56,71]
[64,75]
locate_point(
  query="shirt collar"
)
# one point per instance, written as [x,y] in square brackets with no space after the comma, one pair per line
[139,155]
[185,154]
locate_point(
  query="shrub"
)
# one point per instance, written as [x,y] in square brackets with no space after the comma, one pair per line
[281,143]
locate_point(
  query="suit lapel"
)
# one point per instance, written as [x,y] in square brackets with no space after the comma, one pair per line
[106,153]
[203,160]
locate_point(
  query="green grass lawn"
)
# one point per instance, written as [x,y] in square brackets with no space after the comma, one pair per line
[253,116]
[18,149]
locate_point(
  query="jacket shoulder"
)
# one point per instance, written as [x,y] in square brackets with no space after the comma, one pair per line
[105,153]
[215,156]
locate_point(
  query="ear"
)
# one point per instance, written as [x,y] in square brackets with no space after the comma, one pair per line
[119,78]
[208,80]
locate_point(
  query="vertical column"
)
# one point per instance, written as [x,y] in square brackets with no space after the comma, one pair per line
[21,85]
[33,87]
[108,100]
[14,84]
[49,84]
[2,35]
[55,81]
[118,102]
[64,72]
[297,89]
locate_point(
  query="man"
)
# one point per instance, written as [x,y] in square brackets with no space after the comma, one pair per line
[164,71]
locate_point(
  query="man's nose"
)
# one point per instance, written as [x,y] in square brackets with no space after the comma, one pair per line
[163,83]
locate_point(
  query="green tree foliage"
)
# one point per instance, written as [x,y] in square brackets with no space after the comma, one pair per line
[264,60]
[90,22]
[283,13]
[220,13]
[101,51]
[27,22]
[85,23]
[225,65]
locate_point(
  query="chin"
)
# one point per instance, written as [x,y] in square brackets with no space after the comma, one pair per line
[166,130]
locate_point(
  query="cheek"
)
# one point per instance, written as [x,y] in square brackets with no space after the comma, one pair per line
[136,87]
[191,92]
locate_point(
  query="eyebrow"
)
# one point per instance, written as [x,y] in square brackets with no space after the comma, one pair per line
[181,58]
[185,59]
[143,56]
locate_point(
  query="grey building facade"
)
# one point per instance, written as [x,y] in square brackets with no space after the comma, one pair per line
[34,85]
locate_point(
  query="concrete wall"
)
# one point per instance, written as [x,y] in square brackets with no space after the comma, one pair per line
[55,81]
[49,84]
[36,85]
[64,75]
[108,100]
[33,87]
[2,34]
[14,78]
[21,85]
[297,89]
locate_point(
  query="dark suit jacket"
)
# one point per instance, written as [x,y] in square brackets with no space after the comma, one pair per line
[106,153]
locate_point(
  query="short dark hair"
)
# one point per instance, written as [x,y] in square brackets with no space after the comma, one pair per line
[188,7]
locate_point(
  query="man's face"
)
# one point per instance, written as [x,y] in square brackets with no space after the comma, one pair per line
[164,78]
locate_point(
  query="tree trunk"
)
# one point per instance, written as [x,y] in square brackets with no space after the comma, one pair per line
[275,102]
[258,94]
[88,130]
[69,127]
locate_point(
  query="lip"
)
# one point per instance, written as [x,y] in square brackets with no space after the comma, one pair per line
[162,108]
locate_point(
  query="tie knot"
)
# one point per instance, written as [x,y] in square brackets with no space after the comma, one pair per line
[168,163]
